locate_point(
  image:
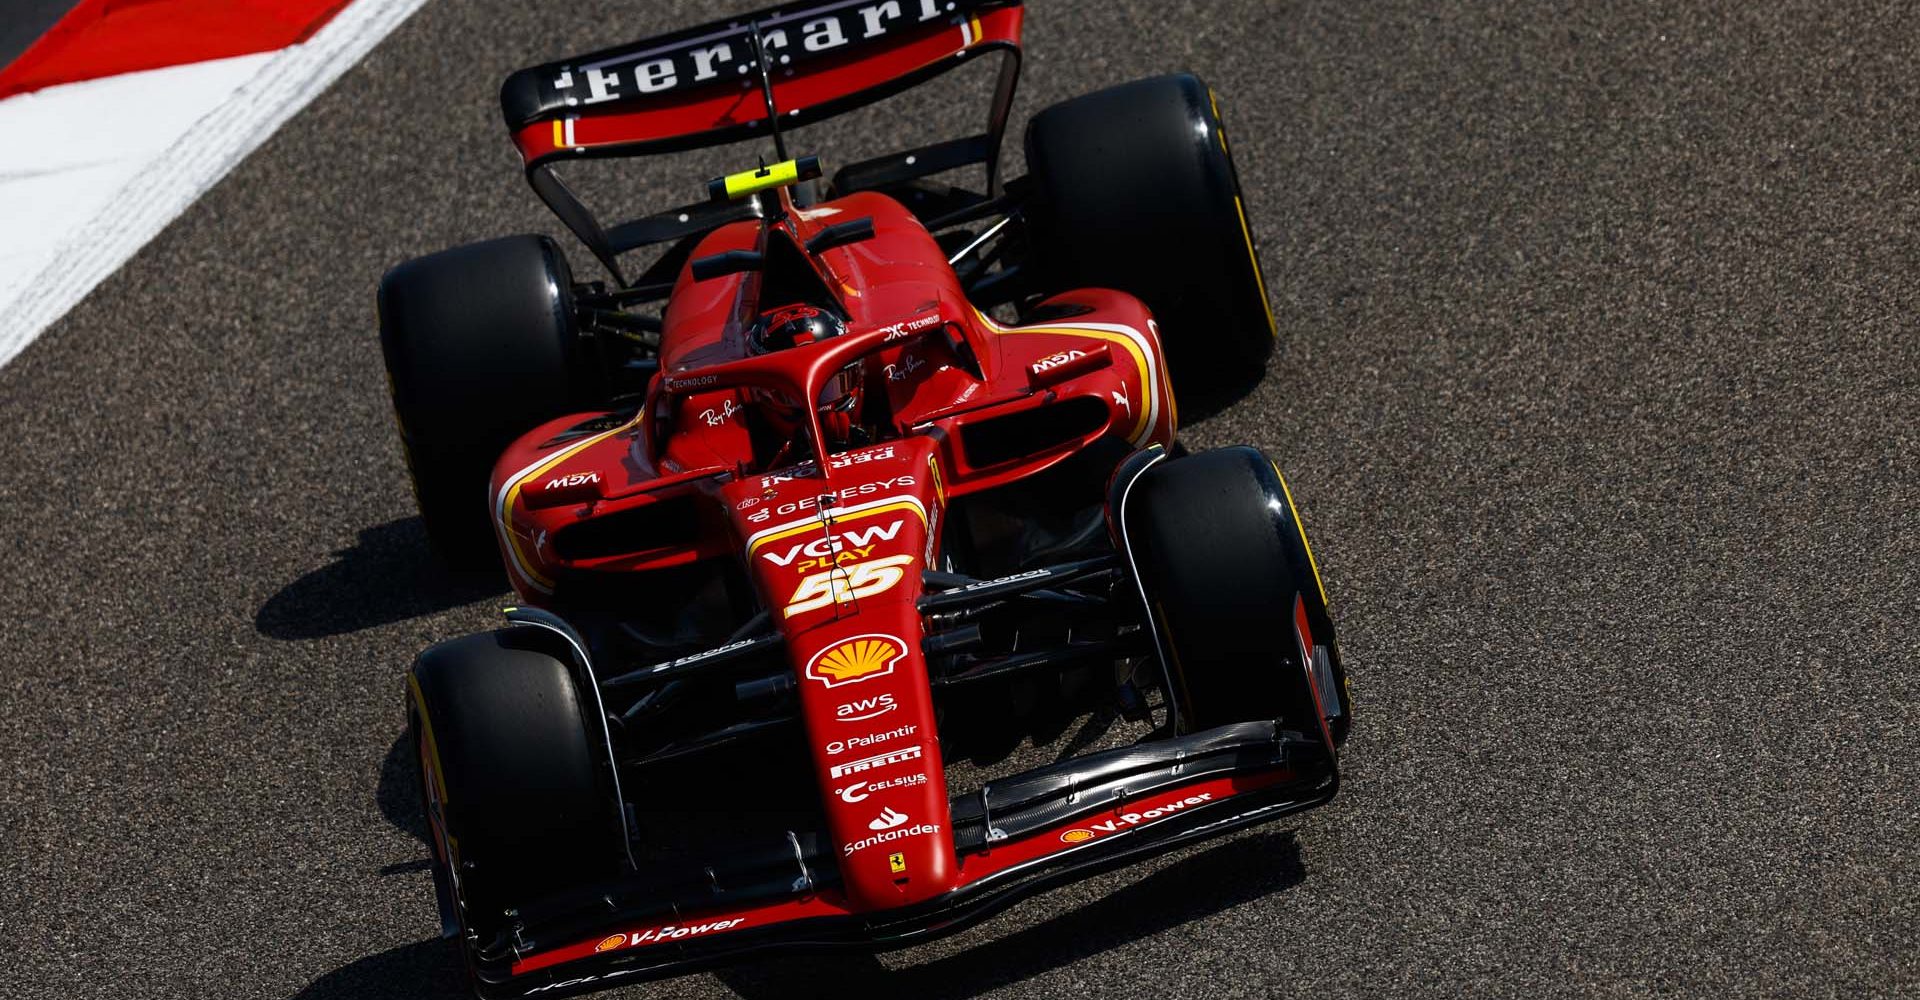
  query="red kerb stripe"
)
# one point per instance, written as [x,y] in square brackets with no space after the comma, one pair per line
[100,38]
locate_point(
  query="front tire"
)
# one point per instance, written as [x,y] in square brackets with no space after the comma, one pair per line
[1223,562]
[511,774]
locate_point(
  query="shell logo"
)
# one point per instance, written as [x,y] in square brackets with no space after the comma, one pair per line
[1076,836]
[609,943]
[857,659]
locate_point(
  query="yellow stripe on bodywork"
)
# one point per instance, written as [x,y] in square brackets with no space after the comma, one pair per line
[1147,374]
[512,494]
[800,529]
[1301,527]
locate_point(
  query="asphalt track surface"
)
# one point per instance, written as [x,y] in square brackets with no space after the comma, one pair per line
[1598,394]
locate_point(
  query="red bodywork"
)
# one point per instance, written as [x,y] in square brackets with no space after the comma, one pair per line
[844,595]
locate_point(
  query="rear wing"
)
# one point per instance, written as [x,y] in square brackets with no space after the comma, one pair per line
[700,87]
[728,80]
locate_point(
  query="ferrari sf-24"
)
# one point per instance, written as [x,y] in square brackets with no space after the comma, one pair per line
[856,485]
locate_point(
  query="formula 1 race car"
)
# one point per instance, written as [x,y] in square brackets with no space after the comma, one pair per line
[862,484]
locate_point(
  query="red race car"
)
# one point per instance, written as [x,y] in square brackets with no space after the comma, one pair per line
[858,485]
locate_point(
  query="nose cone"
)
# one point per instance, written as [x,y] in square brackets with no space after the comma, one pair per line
[885,790]
[842,579]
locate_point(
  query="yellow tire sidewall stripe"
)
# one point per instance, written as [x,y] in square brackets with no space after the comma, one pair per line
[426,730]
[1246,231]
[1301,527]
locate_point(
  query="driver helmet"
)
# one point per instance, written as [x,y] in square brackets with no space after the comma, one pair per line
[800,325]
[794,326]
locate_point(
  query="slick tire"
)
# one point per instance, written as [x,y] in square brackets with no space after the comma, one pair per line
[511,775]
[1224,565]
[1137,191]
[481,346]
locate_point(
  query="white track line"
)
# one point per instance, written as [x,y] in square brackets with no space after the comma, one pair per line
[80,201]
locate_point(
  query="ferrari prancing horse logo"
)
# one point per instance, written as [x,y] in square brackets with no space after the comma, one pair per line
[857,659]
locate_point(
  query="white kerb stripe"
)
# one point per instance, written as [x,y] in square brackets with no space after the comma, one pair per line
[157,186]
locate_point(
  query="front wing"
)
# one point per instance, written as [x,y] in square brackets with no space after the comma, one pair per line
[1015,837]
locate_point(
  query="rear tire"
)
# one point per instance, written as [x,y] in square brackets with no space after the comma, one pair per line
[1222,560]
[1138,192]
[512,776]
[480,346]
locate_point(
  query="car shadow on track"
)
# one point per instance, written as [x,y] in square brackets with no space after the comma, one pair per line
[398,794]
[1232,873]
[389,575]
[424,970]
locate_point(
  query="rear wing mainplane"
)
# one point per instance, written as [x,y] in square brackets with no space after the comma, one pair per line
[750,77]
